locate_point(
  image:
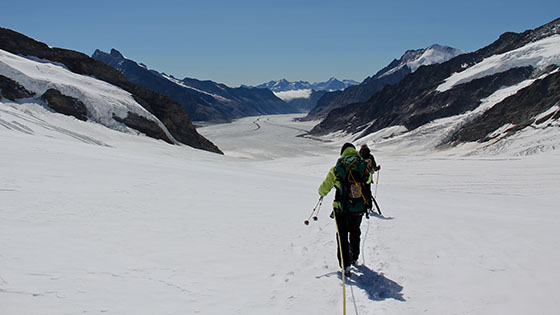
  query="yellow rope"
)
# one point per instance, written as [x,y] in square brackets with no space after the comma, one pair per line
[340,245]
[342,267]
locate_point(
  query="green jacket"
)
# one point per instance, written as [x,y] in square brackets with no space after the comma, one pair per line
[332,179]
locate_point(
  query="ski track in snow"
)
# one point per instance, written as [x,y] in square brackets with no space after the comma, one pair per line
[20,123]
[98,221]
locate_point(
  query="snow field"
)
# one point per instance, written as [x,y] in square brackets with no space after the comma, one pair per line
[97,221]
[464,233]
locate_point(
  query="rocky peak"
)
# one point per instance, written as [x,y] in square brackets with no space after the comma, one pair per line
[116,54]
[113,56]
[415,58]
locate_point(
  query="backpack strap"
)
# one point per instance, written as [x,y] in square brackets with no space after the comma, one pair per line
[356,183]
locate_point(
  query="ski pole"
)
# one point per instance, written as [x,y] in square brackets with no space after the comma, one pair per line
[313,214]
[377,206]
[376,183]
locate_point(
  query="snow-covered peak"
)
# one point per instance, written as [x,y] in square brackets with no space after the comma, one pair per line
[434,54]
[413,59]
[283,85]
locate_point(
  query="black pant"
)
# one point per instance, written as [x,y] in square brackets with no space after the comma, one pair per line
[368,196]
[349,229]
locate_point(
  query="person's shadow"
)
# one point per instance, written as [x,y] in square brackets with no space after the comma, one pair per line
[376,285]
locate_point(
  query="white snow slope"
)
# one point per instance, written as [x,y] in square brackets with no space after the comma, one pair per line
[101,99]
[98,221]
[538,54]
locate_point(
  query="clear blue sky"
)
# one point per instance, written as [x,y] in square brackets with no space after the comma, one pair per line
[250,42]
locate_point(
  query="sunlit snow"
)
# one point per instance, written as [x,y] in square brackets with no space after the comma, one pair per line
[99,221]
[293,94]
[538,54]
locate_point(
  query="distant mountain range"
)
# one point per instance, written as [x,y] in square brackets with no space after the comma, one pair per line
[74,84]
[397,70]
[301,94]
[508,86]
[284,85]
[203,100]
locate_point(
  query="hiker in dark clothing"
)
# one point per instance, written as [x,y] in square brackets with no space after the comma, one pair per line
[348,176]
[372,167]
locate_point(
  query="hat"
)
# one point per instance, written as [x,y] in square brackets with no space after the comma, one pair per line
[346,146]
[364,149]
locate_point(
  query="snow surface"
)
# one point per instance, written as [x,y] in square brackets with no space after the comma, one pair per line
[434,54]
[539,54]
[293,94]
[98,221]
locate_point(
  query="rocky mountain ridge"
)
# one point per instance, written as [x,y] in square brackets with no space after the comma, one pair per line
[203,100]
[393,73]
[523,65]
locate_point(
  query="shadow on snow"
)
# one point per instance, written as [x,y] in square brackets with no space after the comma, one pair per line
[379,216]
[376,285]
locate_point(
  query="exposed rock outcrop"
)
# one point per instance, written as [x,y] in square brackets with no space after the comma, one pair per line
[148,127]
[65,104]
[12,90]
[518,111]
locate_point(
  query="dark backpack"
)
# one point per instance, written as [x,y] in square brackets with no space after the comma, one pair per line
[352,173]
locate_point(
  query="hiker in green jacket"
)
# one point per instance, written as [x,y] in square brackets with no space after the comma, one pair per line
[349,177]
